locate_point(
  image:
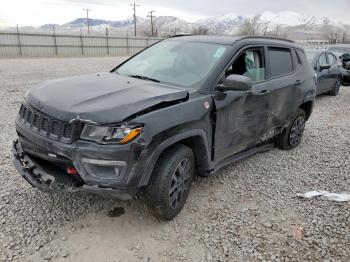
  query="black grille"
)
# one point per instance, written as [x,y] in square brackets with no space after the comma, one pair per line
[36,121]
[46,125]
[30,117]
[68,130]
[55,128]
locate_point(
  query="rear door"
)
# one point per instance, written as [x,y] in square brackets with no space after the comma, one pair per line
[286,80]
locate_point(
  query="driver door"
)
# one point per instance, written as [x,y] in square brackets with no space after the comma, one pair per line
[242,116]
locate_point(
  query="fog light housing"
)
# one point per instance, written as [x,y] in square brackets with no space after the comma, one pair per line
[106,169]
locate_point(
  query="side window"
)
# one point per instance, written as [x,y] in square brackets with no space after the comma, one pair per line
[281,61]
[322,60]
[302,56]
[298,57]
[331,59]
[251,64]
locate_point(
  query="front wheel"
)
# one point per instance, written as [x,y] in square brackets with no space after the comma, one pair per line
[291,136]
[170,182]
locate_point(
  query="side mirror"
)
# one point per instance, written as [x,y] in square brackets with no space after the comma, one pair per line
[236,83]
[324,67]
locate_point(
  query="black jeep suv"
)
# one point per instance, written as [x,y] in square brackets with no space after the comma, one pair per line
[186,105]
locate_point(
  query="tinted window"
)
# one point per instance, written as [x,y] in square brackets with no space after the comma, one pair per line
[298,58]
[301,55]
[250,64]
[281,61]
[331,59]
[322,60]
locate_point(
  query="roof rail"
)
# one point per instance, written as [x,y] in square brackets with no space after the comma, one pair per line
[180,35]
[267,37]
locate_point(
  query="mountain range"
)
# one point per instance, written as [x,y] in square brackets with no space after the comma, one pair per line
[288,24]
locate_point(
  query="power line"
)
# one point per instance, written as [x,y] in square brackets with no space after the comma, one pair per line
[151,16]
[87,18]
[134,9]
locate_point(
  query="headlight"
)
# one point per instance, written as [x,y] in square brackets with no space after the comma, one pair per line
[105,134]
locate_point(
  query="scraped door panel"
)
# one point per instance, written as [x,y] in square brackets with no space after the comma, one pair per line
[241,120]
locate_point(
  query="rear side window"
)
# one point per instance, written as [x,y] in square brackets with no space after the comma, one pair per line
[298,58]
[331,59]
[281,61]
[301,55]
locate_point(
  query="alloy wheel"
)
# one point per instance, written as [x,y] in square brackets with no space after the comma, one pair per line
[179,183]
[296,131]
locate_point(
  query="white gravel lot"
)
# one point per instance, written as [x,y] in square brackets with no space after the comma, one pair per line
[246,212]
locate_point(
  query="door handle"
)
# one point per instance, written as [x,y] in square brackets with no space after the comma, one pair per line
[264,92]
[299,82]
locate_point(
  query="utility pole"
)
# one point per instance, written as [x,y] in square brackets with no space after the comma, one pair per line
[55,39]
[151,16]
[19,42]
[107,41]
[87,18]
[277,29]
[134,9]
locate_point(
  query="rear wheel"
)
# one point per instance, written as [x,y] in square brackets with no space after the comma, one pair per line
[336,88]
[171,181]
[291,136]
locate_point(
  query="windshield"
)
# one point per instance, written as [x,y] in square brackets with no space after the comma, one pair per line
[174,62]
[339,51]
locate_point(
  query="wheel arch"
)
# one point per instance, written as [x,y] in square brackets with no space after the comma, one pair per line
[307,107]
[195,139]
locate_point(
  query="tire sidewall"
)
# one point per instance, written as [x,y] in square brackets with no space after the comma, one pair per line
[300,113]
[282,141]
[157,192]
[168,210]
[336,87]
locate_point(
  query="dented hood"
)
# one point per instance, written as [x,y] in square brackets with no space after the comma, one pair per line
[100,98]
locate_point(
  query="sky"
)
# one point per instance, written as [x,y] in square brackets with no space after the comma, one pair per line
[38,12]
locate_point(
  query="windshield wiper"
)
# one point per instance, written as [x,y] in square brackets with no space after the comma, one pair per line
[145,78]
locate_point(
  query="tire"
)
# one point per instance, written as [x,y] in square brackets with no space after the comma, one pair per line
[336,88]
[170,182]
[292,135]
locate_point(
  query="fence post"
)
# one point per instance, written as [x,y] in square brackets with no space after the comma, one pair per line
[127,43]
[55,40]
[107,41]
[19,42]
[81,43]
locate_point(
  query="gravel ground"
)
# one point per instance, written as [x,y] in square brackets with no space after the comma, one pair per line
[246,212]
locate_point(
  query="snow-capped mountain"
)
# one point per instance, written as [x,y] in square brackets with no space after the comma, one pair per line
[288,18]
[224,24]
[295,25]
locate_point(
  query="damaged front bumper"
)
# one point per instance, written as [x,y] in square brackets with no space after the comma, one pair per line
[50,179]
